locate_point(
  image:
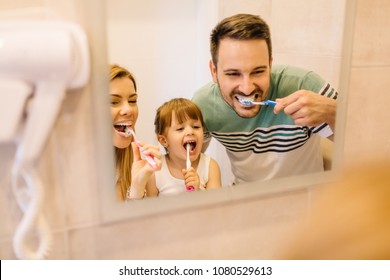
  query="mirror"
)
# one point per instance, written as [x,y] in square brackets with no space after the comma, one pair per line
[166,45]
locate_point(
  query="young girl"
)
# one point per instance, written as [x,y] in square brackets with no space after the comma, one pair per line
[179,123]
[132,173]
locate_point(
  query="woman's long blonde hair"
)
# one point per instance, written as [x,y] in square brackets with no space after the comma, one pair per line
[124,157]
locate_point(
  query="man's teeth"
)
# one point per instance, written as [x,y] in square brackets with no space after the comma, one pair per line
[252,99]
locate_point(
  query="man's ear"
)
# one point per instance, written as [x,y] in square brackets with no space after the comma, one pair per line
[213,71]
[162,140]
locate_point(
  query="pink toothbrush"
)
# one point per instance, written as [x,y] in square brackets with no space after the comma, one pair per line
[148,158]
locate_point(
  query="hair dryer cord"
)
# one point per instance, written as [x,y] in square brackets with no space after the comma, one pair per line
[30,199]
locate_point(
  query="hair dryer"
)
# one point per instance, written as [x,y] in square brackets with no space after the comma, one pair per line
[41,60]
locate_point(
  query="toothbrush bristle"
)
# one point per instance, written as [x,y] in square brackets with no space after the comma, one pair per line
[244,101]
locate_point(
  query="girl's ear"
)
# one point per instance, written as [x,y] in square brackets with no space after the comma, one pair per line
[162,140]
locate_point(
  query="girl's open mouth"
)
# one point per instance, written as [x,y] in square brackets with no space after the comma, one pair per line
[192,144]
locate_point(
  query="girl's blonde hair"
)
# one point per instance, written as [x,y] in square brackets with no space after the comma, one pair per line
[124,157]
[184,109]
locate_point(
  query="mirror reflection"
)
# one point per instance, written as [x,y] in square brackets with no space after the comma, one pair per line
[169,54]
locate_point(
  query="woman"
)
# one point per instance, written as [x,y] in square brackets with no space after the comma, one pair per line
[132,172]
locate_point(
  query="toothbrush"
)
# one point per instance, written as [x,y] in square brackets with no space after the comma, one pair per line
[245,101]
[188,165]
[188,161]
[148,158]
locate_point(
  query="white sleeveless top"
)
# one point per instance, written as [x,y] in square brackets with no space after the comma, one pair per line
[167,184]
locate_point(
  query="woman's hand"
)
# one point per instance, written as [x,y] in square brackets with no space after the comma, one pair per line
[141,171]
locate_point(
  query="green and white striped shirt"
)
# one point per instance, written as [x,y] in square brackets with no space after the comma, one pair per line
[268,145]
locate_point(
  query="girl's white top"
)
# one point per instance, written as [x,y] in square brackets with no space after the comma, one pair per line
[167,184]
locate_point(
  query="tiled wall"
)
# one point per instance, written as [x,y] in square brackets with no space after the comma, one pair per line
[368,125]
[249,229]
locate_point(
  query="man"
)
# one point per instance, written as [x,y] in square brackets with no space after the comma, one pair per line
[263,142]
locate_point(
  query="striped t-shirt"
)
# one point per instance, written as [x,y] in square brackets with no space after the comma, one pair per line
[267,145]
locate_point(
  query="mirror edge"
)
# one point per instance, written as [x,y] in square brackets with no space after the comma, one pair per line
[346,61]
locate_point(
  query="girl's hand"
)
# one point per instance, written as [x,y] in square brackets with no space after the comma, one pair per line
[191,178]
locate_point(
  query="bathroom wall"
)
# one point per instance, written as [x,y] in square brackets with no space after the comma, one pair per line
[368,126]
[247,229]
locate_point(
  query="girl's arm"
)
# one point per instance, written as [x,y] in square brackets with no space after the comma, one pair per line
[214,175]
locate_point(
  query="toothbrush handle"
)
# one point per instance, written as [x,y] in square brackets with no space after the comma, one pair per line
[188,161]
[270,103]
[151,161]
[148,158]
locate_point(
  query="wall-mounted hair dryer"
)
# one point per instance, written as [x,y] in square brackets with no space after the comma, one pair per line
[39,61]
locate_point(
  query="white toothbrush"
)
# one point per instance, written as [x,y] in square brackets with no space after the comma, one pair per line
[245,101]
[148,158]
[188,165]
[188,161]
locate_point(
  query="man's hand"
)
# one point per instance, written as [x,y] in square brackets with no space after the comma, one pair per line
[307,108]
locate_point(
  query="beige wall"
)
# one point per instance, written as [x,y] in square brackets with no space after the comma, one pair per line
[251,229]
[368,125]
